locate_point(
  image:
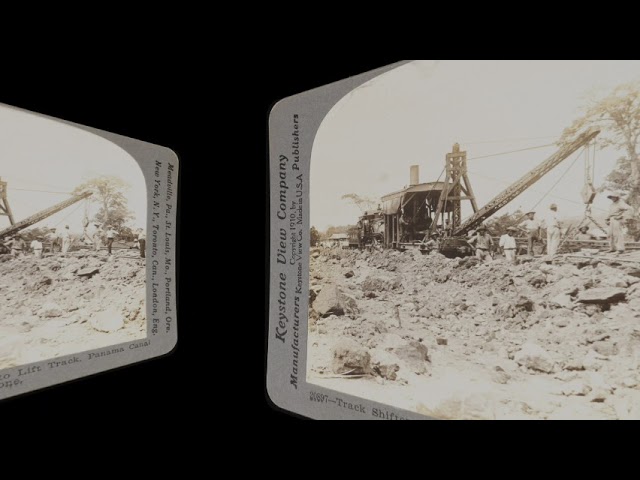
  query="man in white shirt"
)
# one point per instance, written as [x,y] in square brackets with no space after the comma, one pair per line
[36,246]
[617,212]
[532,228]
[96,236]
[65,236]
[552,223]
[111,236]
[508,244]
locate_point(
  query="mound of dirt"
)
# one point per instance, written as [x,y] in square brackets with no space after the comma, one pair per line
[533,337]
[69,303]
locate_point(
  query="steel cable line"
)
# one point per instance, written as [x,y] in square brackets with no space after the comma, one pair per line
[512,151]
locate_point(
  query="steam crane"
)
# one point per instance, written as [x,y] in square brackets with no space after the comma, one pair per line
[525,182]
[33,219]
[413,214]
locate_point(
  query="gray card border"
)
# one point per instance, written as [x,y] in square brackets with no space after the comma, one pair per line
[286,382]
[164,341]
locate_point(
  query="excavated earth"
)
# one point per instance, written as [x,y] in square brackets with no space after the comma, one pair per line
[69,303]
[454,339]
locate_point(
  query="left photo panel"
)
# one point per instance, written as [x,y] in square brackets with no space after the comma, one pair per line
[73,242]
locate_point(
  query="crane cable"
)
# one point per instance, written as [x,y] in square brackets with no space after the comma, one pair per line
[511,140]
[551,189]
[70,213]
[509,182]
[40,191]
[558,181]
[512,151]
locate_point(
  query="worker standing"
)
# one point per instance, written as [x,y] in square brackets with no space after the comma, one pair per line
[483,244]
[97,236]
[532,227]
[552,223]
[616,215]
[53,238]
[18,246]
[111,235]
[65,237]
[36,246]
[508,244]
[142,242]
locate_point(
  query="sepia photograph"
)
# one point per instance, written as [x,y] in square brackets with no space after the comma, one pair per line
[73,217]
[474,243]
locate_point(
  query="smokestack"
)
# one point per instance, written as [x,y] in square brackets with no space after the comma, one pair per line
[414,175]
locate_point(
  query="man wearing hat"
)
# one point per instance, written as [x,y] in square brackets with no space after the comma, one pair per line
[17,246]
[532,227]
[508,244]
[432,244]
[483,244]
[552,222]
[583,235]
[615,219]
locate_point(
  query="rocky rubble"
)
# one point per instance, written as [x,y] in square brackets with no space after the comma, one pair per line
[69,303]
[562,327]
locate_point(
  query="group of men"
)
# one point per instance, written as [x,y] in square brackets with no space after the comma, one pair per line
[484,246]
[18,245]
[618,211]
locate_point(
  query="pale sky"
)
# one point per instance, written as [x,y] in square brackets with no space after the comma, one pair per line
[415,113]
[41,154]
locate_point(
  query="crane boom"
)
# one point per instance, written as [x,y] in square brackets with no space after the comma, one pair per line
[526,181]
[33,219]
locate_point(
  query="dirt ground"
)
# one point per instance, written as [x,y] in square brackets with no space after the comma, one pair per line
[453,339]
[69,303]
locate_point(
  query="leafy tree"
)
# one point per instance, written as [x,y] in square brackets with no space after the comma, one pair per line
[109,194]
[363,203]
[618,115]
[315,236]
[33,233]
[498,225]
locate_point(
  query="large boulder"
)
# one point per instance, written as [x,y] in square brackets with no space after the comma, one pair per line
[602,295]
[561,300]
[333,301]
[567,286]
[534,357]
[412,353]
[384,364]
[349,357]
[377,282]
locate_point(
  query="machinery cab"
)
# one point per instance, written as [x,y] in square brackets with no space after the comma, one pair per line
[410,213]
[369,231]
